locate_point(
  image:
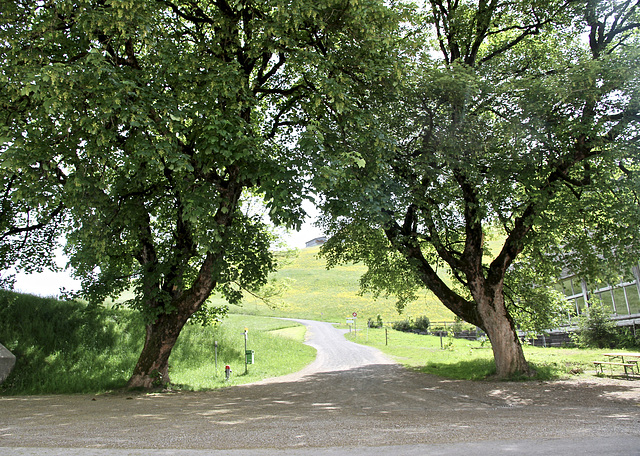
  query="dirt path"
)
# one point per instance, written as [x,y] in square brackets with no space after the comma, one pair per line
[350,396]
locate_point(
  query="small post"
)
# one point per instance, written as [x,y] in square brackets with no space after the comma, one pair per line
[355,325]
[246,366]
[227,372]
[386,336]
[215,350]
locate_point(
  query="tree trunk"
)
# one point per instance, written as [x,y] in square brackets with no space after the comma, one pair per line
[152,368]
[500,328]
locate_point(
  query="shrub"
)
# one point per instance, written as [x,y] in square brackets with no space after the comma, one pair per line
[595,329]
[402,325]
[422,324]
[377,323]
[627,339]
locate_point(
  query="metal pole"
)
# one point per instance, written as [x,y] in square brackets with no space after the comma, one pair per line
[215,345]
[246,368]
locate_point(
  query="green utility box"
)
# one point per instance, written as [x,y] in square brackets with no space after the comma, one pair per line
[249,354]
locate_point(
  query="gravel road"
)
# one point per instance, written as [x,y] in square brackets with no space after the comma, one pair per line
[351,400]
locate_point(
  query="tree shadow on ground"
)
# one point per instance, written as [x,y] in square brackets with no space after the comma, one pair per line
[372,405]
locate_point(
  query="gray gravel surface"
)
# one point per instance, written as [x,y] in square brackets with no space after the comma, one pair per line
[351,400]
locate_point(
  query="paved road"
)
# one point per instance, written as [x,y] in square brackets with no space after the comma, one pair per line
[351,400]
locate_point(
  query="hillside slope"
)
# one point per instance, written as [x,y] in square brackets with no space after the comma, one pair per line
[332,295]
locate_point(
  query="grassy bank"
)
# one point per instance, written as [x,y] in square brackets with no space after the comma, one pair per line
[472,360]
[67,347]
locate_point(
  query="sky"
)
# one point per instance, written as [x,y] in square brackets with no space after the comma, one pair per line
[49,283]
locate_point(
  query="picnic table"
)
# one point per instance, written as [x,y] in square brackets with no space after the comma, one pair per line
[612,360]
[632,358]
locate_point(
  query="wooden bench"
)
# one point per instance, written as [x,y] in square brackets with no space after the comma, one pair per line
[611,364]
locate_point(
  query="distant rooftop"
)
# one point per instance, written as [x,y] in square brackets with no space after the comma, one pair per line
[316,242]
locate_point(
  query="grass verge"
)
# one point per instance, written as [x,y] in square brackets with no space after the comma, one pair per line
[193,364]
[472,360]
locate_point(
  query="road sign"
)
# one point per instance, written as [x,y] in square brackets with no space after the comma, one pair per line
[355,314]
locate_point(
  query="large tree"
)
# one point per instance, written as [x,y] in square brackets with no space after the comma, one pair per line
[135,127]
[517,121]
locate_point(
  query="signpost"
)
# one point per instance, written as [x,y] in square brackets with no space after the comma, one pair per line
[355,327]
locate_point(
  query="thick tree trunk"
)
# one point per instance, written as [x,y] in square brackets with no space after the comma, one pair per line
[152,368]
[500,328]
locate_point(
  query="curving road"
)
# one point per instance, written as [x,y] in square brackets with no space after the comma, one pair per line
[351,400]
[335,353]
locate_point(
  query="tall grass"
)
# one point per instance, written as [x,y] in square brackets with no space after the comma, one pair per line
[67,347]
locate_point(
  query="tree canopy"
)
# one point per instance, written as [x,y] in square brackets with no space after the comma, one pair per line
[134,128]
[474,139]
[512,139]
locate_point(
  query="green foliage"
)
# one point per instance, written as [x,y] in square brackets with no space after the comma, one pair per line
[420,324]
[387,272]
[377,323]
[627,339]
[209,315]
[402,325]
[532,301]
[68,347]
[138,129]
[596,329]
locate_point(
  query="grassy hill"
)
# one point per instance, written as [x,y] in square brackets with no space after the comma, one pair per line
[332,295]
[69,347]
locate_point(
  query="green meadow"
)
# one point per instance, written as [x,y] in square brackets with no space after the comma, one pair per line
[69,347]
[317,293]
